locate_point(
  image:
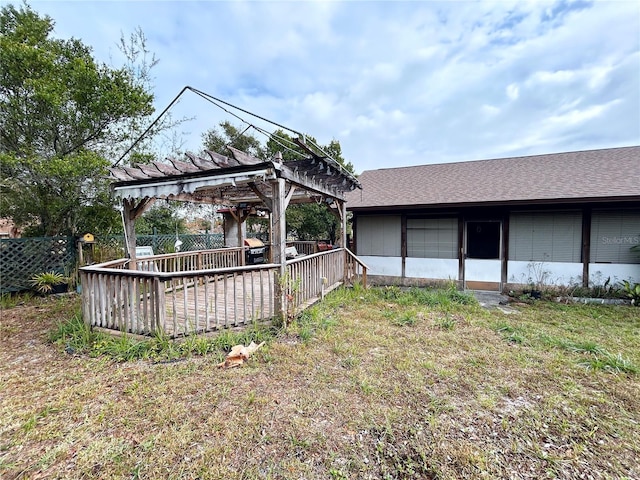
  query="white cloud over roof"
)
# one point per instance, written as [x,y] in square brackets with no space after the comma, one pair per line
[397,83]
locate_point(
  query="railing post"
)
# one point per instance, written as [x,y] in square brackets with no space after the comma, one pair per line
[278,228]
[157,324]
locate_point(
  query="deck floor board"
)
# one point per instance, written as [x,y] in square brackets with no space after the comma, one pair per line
[223,302]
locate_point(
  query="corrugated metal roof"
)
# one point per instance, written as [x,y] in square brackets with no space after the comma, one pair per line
[561,177]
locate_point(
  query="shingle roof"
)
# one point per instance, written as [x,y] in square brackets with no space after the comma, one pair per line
[560,177]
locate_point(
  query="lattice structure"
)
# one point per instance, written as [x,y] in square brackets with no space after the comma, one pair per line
[21,258]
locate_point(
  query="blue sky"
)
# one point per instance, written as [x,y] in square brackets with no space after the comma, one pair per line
[397,83]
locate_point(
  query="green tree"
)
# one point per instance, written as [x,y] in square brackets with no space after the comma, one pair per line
[61,113]
[308,221]
[217,140]
[161,219]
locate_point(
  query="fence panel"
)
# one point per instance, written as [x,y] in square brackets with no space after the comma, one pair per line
[21,258]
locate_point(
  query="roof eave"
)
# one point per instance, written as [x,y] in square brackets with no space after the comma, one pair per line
[498,203]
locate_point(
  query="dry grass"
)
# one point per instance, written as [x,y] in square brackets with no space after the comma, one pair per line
[376,384]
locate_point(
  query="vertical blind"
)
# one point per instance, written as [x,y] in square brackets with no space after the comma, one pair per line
[613,235]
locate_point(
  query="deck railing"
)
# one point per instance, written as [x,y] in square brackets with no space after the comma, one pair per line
[312,276]
[194,260]
[355,269]
[196,292]
[304,247]
[177,303]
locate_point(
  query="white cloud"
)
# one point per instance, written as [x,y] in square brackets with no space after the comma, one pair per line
[578,116]
[513,92]
[397,83]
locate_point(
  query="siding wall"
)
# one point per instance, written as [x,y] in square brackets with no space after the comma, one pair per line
[539,242]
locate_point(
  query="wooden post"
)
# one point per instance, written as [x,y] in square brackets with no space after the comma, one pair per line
[342,215]
[240,219]
[343,224]
[130,231]
[279,236]
[130,213]
[80,253]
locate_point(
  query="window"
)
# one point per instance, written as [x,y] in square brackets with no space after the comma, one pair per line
[613,235]
[378,235]
[545,236]
[432,237]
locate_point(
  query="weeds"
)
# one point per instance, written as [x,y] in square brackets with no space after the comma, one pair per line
[424,296]
[447,322]
[75,337]
[361,398]
[405,319]
[12,300]
[611,363]
[510,333]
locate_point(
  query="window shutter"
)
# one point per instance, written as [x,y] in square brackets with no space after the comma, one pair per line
[379,235]
[432,237]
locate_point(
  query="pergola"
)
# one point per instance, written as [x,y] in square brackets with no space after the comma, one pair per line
[240,181]
[197,291]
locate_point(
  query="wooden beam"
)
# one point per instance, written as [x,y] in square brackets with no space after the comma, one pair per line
[279,244]
[131,212]
[266,200]
[337,212]
[142,207]
[305,147]
[308,184]
[342,208]
[287,199]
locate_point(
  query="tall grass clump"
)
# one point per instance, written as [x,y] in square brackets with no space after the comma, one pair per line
[75,337]
[432,297]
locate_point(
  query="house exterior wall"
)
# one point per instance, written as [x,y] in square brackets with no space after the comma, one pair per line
[432,268]
[554,245]
[547,273]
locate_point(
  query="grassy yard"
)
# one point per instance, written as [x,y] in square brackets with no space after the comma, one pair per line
[370,384]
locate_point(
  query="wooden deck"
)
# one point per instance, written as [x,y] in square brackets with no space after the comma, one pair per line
[219,301]
[174,295]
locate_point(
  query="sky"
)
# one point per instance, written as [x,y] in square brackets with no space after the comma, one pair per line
[396,83]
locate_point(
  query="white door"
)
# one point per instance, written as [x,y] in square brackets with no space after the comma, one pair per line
[482,259]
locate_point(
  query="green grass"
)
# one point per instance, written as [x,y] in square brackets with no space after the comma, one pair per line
[75,337]
[11,300]
[376,383]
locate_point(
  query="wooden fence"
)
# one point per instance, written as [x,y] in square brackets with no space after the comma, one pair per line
[177,303]
[195,292]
